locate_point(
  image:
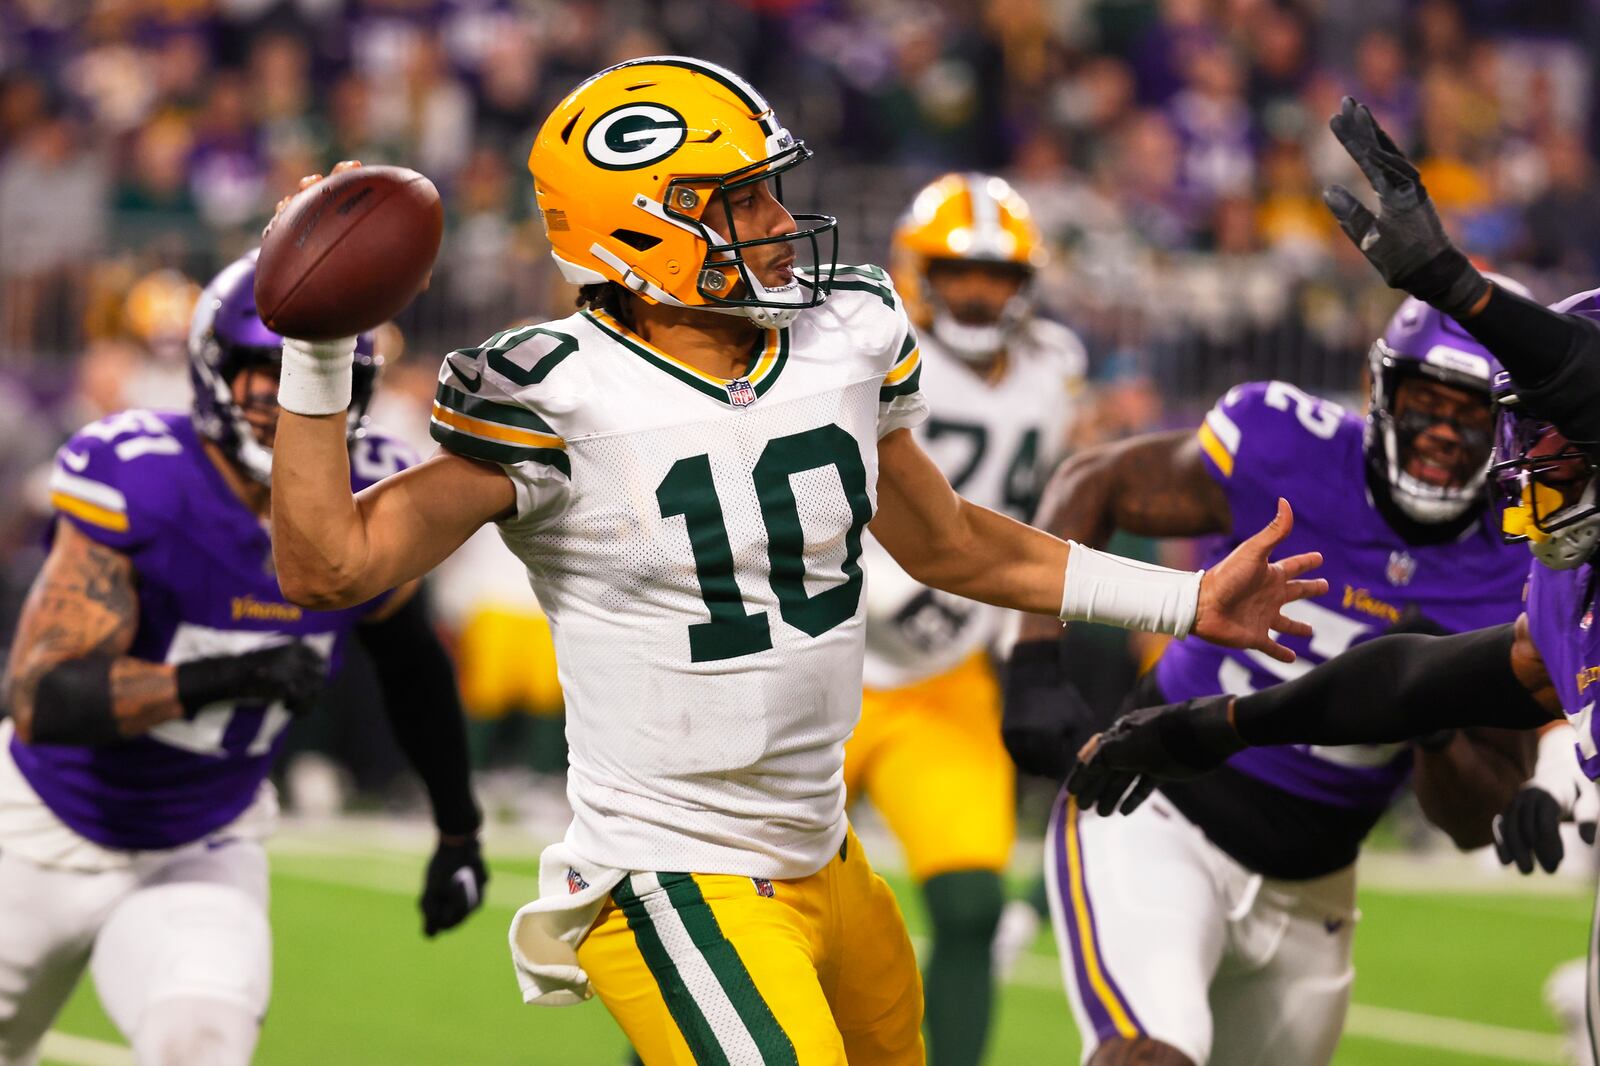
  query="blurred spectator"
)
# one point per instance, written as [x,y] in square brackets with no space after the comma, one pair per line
[53,198]
[1563,229]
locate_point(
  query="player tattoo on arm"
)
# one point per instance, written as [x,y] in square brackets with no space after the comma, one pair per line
[84,606]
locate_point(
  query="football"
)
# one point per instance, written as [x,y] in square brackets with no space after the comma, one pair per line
[348,253]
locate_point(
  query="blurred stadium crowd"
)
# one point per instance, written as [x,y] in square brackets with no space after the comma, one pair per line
[1172,151]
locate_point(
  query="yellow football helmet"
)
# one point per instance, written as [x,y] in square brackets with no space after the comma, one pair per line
[624,168]
[971,218]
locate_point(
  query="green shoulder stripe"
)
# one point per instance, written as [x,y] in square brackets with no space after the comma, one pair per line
[905,388]
[495,452]
[489,411]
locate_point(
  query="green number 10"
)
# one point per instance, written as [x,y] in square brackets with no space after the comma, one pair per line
[688,490]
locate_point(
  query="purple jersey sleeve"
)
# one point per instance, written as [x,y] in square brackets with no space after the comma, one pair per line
[1561,623]
[375,456]
[1262,436]
[109,480]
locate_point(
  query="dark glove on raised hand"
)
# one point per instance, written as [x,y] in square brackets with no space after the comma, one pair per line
[1170,742]
[292,673]
[1045,720]
[453,886]
[1404,240]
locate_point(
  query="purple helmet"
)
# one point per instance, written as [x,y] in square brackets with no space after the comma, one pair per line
[1548,486]
[225,338]
[1421,342]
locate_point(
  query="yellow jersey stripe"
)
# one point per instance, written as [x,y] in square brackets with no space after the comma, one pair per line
[904,368]
[1086,939]
[1212,446]
[494,430]
[116,521]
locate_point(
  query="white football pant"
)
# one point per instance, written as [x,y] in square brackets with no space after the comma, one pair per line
[1162,935]
[177,942]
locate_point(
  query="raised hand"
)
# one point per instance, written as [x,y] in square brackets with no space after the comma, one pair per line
[1405,240]
[306,183]
[1242,597]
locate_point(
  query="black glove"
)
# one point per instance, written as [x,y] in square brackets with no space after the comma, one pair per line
[1405,240]
[1045,720]
[293,673]
[453,886]
[1530,828]
[1171,742]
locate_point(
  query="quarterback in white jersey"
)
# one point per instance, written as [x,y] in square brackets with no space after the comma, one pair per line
[999,382]
[687,468]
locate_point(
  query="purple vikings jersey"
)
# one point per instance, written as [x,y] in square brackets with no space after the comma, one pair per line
[1561,622]
[139,482]
[1270,439]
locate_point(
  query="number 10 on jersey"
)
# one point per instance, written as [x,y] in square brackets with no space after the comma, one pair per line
[688,490]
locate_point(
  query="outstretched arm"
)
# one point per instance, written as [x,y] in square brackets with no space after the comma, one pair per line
[952,544]
[1153,485]
[1383,691]
[1554,358]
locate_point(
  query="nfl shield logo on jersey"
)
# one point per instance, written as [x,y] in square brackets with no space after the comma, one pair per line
[575,882]
[741,393]
[1401,569]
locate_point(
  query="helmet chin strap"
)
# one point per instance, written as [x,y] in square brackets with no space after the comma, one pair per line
[1566,548]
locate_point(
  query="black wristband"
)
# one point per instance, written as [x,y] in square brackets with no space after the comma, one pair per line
[1448,281]
[1036,660]
[72,705]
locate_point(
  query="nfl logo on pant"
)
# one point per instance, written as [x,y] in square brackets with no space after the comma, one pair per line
[763,887]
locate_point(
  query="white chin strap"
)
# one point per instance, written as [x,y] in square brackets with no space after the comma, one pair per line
[975,344]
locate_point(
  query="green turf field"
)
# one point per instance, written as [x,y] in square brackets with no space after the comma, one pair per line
[1444,977]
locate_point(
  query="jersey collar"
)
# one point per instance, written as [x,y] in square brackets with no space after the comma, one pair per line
[768,365]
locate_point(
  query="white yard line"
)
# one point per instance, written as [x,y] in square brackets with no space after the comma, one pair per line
[68,1050]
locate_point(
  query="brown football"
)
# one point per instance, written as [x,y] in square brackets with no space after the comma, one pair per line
[349,253]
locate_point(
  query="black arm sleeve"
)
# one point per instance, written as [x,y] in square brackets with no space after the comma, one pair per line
[1553,358]
[424,709]
[1394,688]
[72,704]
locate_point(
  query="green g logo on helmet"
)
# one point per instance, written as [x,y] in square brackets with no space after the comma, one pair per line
[634,135]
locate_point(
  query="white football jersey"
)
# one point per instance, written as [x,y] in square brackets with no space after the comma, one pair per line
[697,546]
[996,441]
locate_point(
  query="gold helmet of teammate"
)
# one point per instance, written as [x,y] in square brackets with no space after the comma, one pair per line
[626,166]
[967,224]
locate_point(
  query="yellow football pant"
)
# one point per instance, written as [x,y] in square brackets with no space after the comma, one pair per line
[507,661]
[930,757]
[719,969]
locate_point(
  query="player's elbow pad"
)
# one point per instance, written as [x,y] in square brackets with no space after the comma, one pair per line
[72,704]
[1392,689]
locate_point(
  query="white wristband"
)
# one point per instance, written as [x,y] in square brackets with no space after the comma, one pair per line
[1100,587]
[315,379]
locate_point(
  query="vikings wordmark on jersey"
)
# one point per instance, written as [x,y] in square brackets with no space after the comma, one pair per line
[1270,439]
[139,482]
